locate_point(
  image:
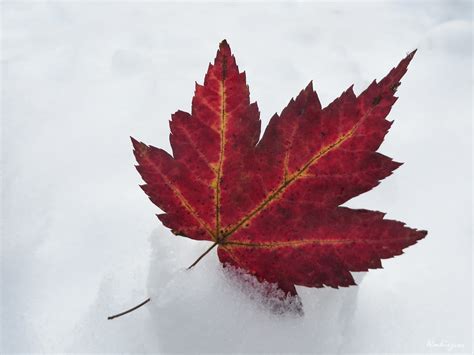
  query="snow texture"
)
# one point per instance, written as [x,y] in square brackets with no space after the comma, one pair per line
[80,240]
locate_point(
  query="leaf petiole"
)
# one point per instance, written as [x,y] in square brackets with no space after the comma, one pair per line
[129,310]
[148,299]
[204,254]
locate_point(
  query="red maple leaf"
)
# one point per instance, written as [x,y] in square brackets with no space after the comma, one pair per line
[272,206]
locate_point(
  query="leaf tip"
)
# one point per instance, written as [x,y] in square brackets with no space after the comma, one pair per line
[397,164]
[138,147]
[412,53]
[421,234]
[408,58]
[350,90]
[224,47]
[135,143]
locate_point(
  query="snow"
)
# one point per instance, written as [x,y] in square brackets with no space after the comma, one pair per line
[80,240]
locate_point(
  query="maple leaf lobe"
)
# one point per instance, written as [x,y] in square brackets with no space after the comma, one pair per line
[273,205]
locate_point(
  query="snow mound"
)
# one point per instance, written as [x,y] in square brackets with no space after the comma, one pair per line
[215,309]
[211,309]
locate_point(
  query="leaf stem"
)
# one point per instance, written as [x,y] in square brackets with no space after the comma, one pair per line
[129,310]
[204,254]
[149,299]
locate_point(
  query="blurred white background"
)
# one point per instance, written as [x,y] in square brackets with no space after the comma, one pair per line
[78,78]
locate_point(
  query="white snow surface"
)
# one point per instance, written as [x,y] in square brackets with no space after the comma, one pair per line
[80,240]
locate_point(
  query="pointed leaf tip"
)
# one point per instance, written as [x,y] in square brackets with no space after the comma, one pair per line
[409,58]
[134,141]
[224,47]
[138,146]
